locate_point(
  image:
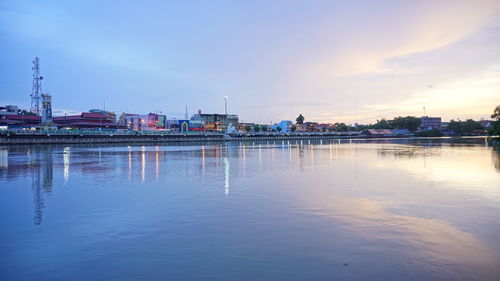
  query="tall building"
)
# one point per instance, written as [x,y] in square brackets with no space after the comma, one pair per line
[46,109]
[430,123]
[216,122]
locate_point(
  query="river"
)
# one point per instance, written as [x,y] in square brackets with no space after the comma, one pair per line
[401,209]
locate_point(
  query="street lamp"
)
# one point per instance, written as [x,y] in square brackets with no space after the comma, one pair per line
[225,104]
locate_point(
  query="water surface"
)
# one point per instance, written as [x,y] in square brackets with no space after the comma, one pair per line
[285,210]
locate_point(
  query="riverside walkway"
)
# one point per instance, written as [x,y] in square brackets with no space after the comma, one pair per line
[89,137]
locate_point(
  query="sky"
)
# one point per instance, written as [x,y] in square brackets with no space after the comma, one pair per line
[332,61]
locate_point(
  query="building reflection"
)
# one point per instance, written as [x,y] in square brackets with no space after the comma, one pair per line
[42,180]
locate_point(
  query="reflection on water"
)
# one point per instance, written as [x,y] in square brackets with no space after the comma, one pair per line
[297,210]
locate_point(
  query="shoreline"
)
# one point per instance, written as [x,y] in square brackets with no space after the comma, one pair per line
[109,138]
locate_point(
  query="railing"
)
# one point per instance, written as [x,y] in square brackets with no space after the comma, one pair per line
[161,133]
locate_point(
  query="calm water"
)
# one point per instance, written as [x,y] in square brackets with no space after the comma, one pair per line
[319,210]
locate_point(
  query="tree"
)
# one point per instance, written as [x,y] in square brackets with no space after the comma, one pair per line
[256,128]
[293,129]
[464,127]
[278,129]
[264,128]
[409,122]
[496,113]
[382,124]
[340,127]
[430,133]
[495,125]
[248,128]
[300,119]
[25,112]
[323,129]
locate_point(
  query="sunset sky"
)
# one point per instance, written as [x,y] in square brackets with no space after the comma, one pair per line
[329,60]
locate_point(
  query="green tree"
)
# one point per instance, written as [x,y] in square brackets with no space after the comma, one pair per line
[382,124]
[25,112]
[264,128]
[293,128]
[256,128]
[430,133]
[496,113]
[278,129]
[248,128]
[300,119]
[464,128]
[495,125]
[323,129]
[340,127]
[409,122]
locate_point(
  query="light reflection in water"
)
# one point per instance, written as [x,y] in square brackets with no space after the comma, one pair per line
[157,162]
[4,158]
[143,163]
[129,163]
[66,160]
[226,175]
[203,160]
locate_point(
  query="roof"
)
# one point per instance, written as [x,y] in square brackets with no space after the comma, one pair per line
[93,124]
[93,115]
[379,132]
[24,117]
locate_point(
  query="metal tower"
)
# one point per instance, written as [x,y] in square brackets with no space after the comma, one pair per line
[36,91]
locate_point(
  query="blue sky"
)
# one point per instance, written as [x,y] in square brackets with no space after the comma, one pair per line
[329,60]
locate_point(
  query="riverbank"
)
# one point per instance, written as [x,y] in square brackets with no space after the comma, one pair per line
[30,138]
[97,137]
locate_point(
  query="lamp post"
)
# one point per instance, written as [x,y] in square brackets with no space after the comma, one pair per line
[225,104]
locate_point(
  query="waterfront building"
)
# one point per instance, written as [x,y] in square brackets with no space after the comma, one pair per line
[300,128]
[15,121]
[111,115]
[87,120]
[311,126]
[9,110]
[216,122]
[46,110]
[430,123]
[183,126]
[144,122]
[378,132]
[196,125]
[324,127]
[243,126]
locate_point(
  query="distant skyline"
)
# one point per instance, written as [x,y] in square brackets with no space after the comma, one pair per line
[332,61]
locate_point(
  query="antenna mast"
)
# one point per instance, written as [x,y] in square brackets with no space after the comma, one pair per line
[37,87]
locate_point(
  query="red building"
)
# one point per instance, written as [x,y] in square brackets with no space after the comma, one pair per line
[20,121]
[88,120]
